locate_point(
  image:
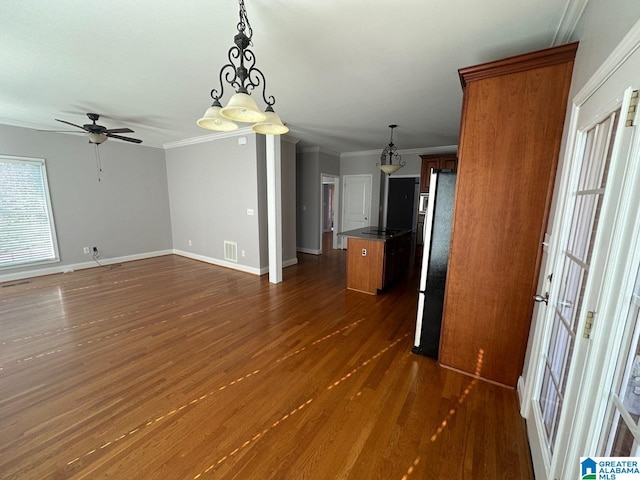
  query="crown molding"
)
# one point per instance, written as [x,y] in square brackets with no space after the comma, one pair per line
[570,18]
[219,136]
[317,149]
[412,151]
[289,139]
[208,138]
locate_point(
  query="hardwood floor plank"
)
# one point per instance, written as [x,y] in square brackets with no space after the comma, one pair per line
[171,368]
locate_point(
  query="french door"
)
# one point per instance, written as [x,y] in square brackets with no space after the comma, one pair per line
[621,434]
[575,336]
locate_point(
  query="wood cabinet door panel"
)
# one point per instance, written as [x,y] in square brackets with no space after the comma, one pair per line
[425,172]
[364,272]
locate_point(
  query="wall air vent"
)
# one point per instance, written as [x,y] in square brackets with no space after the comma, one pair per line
[230,251]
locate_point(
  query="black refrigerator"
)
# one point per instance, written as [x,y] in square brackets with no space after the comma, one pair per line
[433,273]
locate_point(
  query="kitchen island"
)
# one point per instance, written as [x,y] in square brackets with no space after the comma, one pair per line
[376,257]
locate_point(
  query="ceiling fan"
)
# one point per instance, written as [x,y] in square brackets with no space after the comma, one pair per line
[98,134]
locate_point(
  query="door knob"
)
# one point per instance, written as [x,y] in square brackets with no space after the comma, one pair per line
[539,298]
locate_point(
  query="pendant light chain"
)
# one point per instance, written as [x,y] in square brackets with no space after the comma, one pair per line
[244,23]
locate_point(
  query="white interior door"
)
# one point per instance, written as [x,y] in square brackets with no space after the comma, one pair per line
[582,266]
[356,201]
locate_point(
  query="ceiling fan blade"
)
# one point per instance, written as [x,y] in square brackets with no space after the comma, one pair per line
[60,131]
[72,124]
[118,130]
[126,139]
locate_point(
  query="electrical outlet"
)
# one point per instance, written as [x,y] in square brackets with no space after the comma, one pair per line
[364,252]
[243,253]
[95,249]
[87,250]
[189,242]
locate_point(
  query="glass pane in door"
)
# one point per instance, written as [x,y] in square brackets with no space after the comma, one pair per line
[583,218]
[622,435]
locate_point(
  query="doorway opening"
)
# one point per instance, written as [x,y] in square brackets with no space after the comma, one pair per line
[402,198]
[329,192]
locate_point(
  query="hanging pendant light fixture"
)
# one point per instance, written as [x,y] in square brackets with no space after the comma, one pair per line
[392,152]
[242,74]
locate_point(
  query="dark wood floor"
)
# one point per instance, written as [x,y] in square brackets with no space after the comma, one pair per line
[169,368]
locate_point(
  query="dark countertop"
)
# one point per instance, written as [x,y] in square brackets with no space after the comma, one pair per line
[374,233]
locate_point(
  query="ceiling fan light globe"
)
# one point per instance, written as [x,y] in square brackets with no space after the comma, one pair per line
[212,120]
[97,138]
[272,125]
[242,108]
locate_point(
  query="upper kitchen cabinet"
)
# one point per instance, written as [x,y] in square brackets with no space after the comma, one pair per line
[437,161]
[512,119]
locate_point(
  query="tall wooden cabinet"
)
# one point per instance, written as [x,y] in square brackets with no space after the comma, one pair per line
[512,119]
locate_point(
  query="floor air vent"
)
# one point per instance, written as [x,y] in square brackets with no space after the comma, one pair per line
[230,251]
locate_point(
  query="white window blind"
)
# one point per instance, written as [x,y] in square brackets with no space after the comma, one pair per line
[27,232]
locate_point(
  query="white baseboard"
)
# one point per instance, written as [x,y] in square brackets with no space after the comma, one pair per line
[290,262]
[285,264]
[140,256]
[66,268]
[310,251]
[220,263]
[520,388]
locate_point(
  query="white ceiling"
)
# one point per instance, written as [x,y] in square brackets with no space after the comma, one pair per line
[341,70]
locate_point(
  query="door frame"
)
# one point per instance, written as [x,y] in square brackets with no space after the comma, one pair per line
[330,179]
[587,390]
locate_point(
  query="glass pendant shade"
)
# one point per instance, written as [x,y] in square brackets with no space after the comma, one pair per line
[389,169]
[242,108]
[212,120]
[97,138]
[243,76]
[272,125]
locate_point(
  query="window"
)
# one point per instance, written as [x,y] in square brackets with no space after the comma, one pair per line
[27,232]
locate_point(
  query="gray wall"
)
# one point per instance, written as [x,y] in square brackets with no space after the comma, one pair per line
[261,210]
[288,154]
[124,215]
[311,163]
[601,28]
[211,186]
[359,163]
[288,205]
[307,200]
